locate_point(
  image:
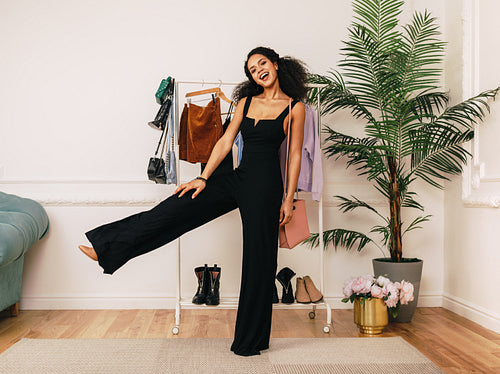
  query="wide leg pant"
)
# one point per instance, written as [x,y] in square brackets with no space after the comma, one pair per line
[259,204]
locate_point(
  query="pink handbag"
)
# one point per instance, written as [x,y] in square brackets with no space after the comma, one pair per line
[297,230]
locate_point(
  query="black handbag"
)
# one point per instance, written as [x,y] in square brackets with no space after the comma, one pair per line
[156,165]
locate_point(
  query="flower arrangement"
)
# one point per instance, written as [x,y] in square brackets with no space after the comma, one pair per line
[394,294]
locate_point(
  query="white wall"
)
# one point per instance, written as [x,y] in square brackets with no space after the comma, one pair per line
[78,79]
[472,220]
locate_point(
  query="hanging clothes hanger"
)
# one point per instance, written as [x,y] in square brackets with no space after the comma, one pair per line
[223,97]
[216,90]
[203,92]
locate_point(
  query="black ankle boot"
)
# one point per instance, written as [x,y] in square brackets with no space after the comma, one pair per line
[213,288]
[275,295]
[285,276]
[203,284]
[161,117]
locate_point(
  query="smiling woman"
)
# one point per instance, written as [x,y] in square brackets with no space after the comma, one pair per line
[289,71]
[271,96]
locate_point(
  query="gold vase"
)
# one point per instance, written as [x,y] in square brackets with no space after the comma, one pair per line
[370,315]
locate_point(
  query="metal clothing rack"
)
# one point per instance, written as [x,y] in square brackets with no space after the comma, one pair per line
[232,303]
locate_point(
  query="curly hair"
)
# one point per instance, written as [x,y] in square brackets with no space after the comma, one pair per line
[292,76]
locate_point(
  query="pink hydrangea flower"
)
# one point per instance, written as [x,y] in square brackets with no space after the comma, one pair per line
[393,295]
[383,281]
[362,285]
[406,292]
[348,287]
[377,292]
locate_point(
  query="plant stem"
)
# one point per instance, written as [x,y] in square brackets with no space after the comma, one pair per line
[395,245]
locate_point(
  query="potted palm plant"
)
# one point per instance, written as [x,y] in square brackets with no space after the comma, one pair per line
[389,78]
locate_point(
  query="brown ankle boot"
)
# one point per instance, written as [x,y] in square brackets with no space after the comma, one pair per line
[301,294]
[311,289]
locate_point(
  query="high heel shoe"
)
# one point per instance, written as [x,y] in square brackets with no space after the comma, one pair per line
[214,283]
[202,275]
[89,251]
[313,292]
[285,276]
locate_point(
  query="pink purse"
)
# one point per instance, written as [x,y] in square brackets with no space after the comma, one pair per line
[297,230]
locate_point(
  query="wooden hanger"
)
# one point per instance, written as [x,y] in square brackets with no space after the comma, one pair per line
[223,97]
[215,90]
[203,92]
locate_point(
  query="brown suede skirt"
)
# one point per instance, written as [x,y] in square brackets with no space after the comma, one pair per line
[199,130]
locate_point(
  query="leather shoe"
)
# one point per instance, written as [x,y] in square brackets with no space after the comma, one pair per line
[301,294]
[311,289]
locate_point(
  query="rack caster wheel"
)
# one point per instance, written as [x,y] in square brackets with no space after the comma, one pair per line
[312,315]
[175,330]
[326,329]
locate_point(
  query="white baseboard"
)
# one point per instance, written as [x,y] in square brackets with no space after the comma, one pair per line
[430,300]
[475,313]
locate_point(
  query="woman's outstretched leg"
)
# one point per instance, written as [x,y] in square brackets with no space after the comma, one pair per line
[117,242]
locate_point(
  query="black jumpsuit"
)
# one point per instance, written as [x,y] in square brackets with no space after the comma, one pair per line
[256,188]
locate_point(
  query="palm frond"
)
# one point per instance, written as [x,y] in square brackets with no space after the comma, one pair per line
[385,231]
[348,205]
[415,113]
[335,96]
[380,17]
[468,112]
[440,153]
[421,53]
[424,105]
[372,43]
[407,201]
[438,150]
[340,238]
[382,185]
[416,223]
[363,154]
[366,69]
[394,132]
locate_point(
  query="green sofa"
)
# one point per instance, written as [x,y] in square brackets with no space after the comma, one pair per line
[22,223]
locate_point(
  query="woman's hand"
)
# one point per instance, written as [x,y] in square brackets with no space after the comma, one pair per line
[195,184]
[286,212]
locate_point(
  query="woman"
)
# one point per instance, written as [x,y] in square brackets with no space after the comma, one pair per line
[255,187]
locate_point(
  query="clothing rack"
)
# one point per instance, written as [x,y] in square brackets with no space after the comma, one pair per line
[233,303]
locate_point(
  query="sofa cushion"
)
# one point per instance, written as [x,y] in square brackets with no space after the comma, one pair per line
[22,223]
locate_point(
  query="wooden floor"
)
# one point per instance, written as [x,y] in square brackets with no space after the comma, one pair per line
[453,343]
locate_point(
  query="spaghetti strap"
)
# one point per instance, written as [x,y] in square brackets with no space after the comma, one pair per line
[285,111]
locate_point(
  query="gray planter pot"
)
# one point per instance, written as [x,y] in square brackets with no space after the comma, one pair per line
[410,271]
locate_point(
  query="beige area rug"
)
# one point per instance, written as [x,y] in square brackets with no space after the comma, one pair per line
[204,356]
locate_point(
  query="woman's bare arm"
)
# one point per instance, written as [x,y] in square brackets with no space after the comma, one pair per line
[219,152]
[294,160]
